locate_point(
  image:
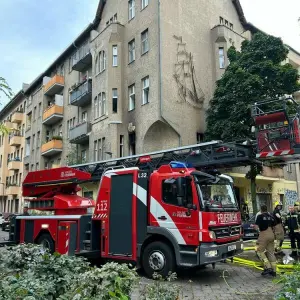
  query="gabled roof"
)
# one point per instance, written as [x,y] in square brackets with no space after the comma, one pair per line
[18,97]
[239,9]
[99,12]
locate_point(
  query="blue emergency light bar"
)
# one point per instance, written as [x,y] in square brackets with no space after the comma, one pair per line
[179,165]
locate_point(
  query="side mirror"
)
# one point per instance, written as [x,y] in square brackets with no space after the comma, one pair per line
[192,206]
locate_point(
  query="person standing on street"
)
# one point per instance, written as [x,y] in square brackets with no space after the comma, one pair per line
[292,225]
[278,229]
[265,241]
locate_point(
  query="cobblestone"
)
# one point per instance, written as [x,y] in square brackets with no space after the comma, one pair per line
[208,284]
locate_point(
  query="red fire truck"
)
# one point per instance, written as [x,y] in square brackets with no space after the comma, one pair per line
[157,211]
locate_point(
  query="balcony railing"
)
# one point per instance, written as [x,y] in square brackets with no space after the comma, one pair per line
[82,59]
[79,133]
[17,117]
[53,114]
[15,140]
[54,86]
[52,147]
[14,165]
[82,94]
[13,189]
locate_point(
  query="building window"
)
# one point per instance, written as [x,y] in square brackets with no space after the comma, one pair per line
[84,116]
[121,145]
[37,166]
[115,100]
[83,156]
[231,26]
[115,18]
[145,41]
[131,51]
[131,91]
[221,21]
[145,92]
[103,109]
[27,147]
[96,107]
[221,58]
[131,8]
[102,61]
[40,109]
[95,151]
[200,138]
[115,56]
[145,3]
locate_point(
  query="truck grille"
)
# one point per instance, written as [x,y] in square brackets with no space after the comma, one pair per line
[223,232]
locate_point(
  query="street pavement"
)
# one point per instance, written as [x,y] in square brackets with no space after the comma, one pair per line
[226,281]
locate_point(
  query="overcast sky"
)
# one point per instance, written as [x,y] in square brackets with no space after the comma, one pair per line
[35,32]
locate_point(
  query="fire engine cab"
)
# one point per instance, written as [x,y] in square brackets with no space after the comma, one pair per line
[151,210]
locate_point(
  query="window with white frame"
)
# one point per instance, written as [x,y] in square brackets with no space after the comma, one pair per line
[95,151]
[103,110]
[121,145]
[145,3]
[96,107]
[114,100]
[115,56]
[84,116]
[145,92]
[102,61]
[221,58]
[131,51]
[131,9]
[99,104]
[131,92]
[145,41]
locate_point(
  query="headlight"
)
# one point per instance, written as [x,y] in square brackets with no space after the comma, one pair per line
[211,253]
[212,235]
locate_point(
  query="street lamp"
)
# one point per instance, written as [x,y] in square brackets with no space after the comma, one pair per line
[2,195]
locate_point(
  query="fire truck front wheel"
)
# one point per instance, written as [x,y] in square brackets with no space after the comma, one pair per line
[158,258]
[47,242]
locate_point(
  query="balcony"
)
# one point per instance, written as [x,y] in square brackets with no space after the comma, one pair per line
[13,190]
[15,140]
[53,114]
[82,59]
[54,86]
[14,165]
[52,147]
[82,94]
[17,117]
[79,134]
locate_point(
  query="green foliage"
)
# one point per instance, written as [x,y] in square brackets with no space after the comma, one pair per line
[255,73]
[30,272]
[161,289]
[5,88]
[290,285]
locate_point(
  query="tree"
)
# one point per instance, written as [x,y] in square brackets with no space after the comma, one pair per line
[7,91]
[255,73]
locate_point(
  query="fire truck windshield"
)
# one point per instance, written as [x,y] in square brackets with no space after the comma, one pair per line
[216,196]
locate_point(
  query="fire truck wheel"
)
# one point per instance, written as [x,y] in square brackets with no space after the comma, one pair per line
[158,258]
[47,242]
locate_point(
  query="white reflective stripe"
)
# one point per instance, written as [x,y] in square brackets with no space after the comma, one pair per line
[270,154]
[285,152]
[109,174]
[200,226]
[157,210]
[140,193]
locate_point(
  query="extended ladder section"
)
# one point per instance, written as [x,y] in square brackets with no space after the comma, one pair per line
[277,130]
[204,156]
[56,190]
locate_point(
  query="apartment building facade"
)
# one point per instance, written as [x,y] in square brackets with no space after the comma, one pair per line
[137,79]
[12,154]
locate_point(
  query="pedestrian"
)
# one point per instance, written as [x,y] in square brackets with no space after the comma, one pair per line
[278,228]
[265,241]
[292,225]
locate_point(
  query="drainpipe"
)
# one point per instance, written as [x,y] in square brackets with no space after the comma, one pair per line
[160,77]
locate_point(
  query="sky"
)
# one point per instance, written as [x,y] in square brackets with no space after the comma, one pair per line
[35,32]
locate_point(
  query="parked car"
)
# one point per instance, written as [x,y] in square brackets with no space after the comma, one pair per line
[248,229]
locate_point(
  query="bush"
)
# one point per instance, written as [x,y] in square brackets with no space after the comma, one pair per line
[31,273]
[290,289]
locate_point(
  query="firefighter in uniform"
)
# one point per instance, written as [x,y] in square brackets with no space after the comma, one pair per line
[292,225]
[278,229]
[265,241]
